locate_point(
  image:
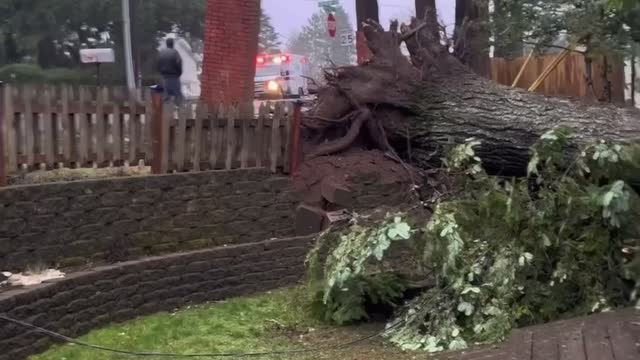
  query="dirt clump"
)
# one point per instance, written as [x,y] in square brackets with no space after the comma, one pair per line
[351,169]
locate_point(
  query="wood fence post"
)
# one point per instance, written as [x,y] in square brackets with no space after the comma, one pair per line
[157,141]
[3,167]
[295,149]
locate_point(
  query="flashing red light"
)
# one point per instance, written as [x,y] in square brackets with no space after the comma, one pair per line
[285,58]
[260,60]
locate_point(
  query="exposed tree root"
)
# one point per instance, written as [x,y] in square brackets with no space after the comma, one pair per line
[345,142]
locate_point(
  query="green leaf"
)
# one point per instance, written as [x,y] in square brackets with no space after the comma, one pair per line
[432,345]
[457,344]
[606,199]
[466,308]
[473,289]
[400,231]
[546,240]
[532,168]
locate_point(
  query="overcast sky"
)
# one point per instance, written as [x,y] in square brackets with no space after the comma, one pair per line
[290,15]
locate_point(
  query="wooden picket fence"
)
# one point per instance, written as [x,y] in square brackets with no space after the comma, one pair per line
[49,127]
[201,136]
[82,127]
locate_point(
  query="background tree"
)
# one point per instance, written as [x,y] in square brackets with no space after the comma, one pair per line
[54,32]
[322,50]
[269,39]
[602,28]
[508,28]
[472,35]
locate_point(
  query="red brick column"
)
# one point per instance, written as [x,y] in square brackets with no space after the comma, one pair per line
[362,49]
[231,46]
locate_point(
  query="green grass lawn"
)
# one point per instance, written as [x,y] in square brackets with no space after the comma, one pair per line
[274,321]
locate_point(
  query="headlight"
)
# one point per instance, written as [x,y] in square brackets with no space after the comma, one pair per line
[273,86]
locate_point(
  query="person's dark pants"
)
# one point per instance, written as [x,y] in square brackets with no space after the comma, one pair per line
[173,89]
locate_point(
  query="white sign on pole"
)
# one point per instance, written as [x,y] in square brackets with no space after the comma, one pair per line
[93,56]
[347,38]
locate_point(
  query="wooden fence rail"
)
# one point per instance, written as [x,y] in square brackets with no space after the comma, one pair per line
[218,137]
[52,127]
[567,80]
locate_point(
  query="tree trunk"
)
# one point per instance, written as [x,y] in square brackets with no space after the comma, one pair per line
[415,108]
[422,6]
[366,10]
[507,121]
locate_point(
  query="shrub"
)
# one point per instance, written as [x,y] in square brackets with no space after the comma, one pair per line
[73,76]
[22,73]
[353,274]
[33,74]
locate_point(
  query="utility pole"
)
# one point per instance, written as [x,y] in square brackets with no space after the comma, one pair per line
[633,74]
[128,56]
[135,39]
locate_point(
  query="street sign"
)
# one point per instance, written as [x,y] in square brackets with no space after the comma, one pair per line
[97,56]
[328,5]
[347,38]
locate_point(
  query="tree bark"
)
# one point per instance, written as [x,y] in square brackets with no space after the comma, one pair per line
[507,121]
[366,10]
[422,6]
[417,107]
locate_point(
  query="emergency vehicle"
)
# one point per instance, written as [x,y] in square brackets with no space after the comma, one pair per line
[282,76]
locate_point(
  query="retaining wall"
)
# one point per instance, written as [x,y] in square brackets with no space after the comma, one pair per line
[75,223]
[123,291]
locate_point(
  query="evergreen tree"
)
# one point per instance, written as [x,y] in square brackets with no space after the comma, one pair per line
[269,37]
[323,51]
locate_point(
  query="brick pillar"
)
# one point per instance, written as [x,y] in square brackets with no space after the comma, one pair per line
[362,50]
[230,50]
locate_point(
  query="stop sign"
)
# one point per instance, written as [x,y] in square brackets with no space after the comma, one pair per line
[332,26]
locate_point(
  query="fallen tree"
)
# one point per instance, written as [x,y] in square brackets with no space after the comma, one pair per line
[413,107]
[499,253]
[494,254]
